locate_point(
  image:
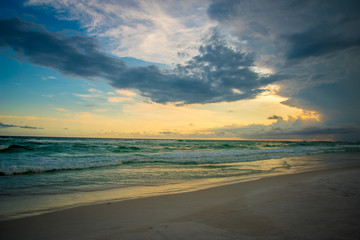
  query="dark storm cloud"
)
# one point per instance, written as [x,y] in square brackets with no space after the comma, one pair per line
[301,28]
[322,40]
[219,73]
[2,125]
[75,55]
[338,101]
[315,43]
[223,10]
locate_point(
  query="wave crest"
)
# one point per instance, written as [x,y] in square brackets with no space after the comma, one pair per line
[15,148]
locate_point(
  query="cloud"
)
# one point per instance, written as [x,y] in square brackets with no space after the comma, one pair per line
[85,95]
[2,125]
[336,101]
[320,41]
[274,117]
[110,97]
[95,91]
[211,76]
[167,132]
[338,132]
[119,99]
[61,109]
[74,55]
[316,51]
[312,29]
[150,30]
[126,92]
[292,128]
[28,117]
[208,77]
[47,78]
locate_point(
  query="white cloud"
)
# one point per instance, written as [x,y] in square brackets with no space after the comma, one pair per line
[263,71]
[125,92]
[94,93]
[150,30]
[237,91]
[93,90]
[46,78]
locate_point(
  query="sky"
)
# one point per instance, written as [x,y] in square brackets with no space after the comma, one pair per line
[192,69]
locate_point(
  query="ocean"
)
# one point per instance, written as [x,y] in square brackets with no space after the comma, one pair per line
[40,174]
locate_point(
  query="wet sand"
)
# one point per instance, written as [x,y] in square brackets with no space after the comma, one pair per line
[313,205]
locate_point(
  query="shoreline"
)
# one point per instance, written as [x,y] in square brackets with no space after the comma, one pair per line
[300,205]
[34,205]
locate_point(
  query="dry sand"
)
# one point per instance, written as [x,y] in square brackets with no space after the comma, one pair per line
[313,205]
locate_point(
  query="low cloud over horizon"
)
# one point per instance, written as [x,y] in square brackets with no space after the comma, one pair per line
[293,128]
[3,125]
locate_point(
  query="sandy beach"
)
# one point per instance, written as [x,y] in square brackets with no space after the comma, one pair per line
[312,205]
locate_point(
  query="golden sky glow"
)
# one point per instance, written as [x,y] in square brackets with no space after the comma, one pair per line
[154,120]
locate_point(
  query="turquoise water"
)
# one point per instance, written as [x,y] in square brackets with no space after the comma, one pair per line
[44,174]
